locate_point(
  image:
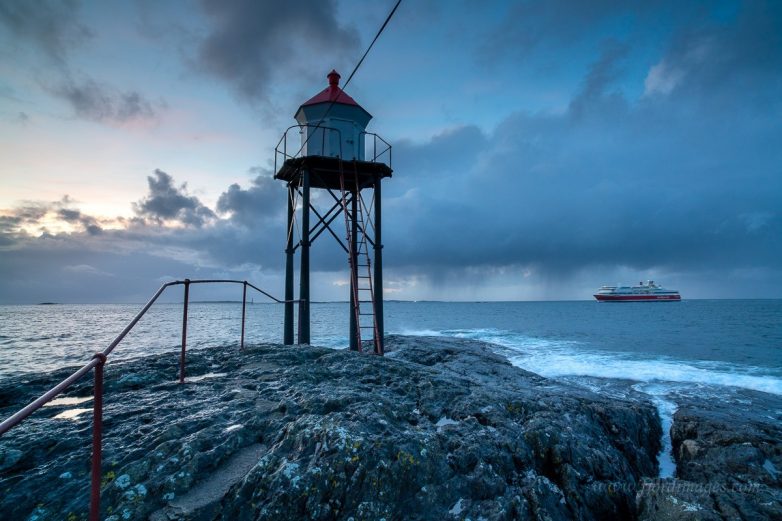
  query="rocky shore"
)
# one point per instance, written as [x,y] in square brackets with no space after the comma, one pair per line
[728,461]
[438,429]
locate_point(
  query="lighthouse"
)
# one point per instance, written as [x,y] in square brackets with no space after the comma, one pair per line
[330,149]
[333,109]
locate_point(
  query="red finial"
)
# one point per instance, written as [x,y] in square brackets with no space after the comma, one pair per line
[334,77]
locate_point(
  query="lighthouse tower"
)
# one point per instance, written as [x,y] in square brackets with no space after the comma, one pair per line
[329,149]
[333,109]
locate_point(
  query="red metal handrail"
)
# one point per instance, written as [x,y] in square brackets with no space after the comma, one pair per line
[99,360]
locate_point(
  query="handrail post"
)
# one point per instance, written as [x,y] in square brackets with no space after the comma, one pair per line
[184,333]
[244,307]
[97,438]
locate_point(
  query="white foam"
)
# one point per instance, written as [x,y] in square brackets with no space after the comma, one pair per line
[556,364]
[658,376]
[666,409]
[500,337]
[442,422]
[419,332]
[205,376]
[332,342]
[71,414]
[560,358]
[68,400]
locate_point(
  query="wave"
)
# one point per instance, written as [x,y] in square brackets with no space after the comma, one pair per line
[566,358]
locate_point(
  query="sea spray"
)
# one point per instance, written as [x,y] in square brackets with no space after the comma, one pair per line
[666,409]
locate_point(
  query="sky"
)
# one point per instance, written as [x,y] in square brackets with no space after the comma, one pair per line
[541,149]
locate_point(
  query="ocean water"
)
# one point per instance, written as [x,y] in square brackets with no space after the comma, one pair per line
[662,349]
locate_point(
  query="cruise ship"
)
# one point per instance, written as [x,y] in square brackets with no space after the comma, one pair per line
[649,292]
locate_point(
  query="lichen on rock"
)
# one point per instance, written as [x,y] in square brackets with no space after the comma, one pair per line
[438,429]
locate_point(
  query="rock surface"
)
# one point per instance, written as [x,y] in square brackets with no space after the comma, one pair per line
[729,461]
[438,429]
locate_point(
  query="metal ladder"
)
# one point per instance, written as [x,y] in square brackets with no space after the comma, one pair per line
[360,264]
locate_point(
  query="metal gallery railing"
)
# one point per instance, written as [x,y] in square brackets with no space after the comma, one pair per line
[281,153]
[376,149]
[381,149]
[99,360]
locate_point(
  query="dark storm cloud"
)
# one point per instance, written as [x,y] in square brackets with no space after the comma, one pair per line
[89,223]
[248,207]
[167,202]
[52,26]
[32,214]
[127,263]
[742,58]
[252,42]
[684,177]
[528,25]
[102,103]
[593,94]
[10,230]
[447,153]
[59,270]
[54,29]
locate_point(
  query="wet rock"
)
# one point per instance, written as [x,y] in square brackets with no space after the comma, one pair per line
[727,454]
[688,450]
[9,458]
[438,429]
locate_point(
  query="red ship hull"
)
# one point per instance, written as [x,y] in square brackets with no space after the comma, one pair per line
[637,298]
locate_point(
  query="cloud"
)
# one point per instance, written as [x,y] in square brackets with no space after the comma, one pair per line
[252,42]
[721,59]
[662,79]
[168,203]
[679,175]
[99,102]
[37,215]
[35,271]
[51,26]
[53,29]
[86,269]
[264,199]
[89,223]
[675,181]
[601,76]
[528,26]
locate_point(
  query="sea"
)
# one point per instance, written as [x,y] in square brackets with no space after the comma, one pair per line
[664,350]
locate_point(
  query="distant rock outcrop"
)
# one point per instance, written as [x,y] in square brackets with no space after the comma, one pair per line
[438,429]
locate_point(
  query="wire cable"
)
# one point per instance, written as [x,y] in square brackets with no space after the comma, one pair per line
[355,69]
